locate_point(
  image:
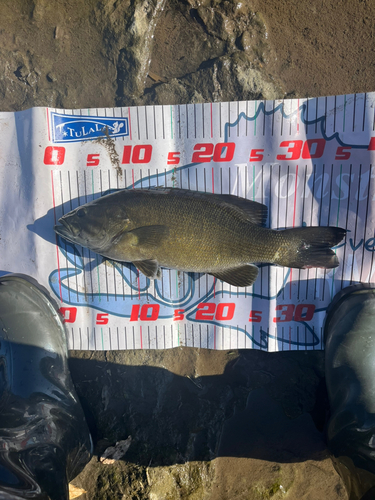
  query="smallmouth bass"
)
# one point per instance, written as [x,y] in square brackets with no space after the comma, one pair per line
[221,235]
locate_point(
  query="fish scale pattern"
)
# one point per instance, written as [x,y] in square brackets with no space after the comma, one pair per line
[204,233]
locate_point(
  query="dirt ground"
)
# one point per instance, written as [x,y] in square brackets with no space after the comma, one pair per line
[230,425]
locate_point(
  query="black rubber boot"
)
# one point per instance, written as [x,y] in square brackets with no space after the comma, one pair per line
[349,332]
[44,438]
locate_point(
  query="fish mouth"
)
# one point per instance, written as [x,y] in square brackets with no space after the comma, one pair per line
[65,230]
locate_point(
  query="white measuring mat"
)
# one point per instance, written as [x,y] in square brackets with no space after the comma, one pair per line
[310,161]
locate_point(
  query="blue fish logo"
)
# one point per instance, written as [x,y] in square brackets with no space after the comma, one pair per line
[68,128]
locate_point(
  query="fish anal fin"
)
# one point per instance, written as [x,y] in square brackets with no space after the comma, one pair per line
[238,276]
[150,268]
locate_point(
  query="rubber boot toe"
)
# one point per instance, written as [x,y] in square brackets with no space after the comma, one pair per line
[349,332]
[44,438]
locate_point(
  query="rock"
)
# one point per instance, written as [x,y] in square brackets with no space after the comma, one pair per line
[135,56]
[114,453]
[75,492]
[192,480]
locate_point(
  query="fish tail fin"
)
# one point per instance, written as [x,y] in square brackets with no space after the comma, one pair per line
[312,247]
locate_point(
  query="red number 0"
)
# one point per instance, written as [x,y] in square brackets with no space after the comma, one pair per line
[150,312]
[304,312]
[226,148]
[315,145]
[69,314]
[225,311]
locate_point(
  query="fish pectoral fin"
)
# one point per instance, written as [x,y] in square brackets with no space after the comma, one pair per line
[150,268]
[146,236]
[238,276]
[150,236]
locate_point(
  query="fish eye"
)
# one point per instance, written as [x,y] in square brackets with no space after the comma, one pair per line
[81,212]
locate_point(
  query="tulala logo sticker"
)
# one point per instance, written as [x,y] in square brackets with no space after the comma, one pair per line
[67,128]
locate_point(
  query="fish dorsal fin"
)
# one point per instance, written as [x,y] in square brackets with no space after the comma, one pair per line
[251,210]
[254,212]
[149,236]
[238,276]
[150,268]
